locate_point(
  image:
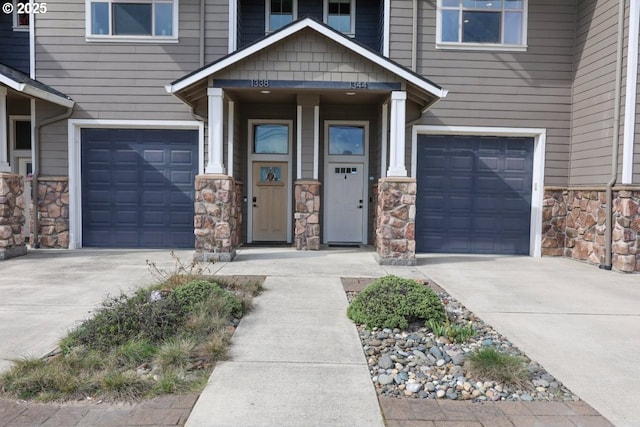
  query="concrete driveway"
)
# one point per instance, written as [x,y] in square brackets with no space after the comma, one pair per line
[46,292]
[579,322]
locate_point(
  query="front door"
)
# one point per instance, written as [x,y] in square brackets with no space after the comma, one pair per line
[269,201]
[345,188]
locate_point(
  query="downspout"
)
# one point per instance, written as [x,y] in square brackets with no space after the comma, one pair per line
[36,169]
[615,142]
[202,16]
[414,37]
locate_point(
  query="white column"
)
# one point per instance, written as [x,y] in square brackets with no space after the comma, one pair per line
[230,136]
[398,124]
[384,139]
[316,140]
[4,157]
[216,115]
[630,98]
[299,142]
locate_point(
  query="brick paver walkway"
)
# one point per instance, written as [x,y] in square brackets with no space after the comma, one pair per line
[445,413]
[160,411]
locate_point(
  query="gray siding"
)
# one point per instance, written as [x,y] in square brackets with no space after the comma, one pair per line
[116,80]
[593,92]
[529,89]
[14,45]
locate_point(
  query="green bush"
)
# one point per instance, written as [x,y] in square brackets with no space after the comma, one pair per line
[394,302]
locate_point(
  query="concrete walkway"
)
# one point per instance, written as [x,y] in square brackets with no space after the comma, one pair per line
[296,359]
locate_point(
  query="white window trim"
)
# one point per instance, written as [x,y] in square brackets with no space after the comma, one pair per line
[16,26]
[267,15]
[537,186]
[336,158]
[253,157]
[130,39]
[483,46]
[325,18]
[74,128]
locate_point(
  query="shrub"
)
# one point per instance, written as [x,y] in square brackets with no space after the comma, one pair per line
[391,302]
[457,333]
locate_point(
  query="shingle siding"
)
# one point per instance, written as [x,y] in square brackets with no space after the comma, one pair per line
[529,89]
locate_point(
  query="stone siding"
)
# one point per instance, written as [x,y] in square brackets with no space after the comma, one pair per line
[307,215]
[12,219]
[53,213]
[395,221]
[218,217]
[574,226]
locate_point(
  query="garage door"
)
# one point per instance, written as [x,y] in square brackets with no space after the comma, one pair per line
[138,188]
[474,194]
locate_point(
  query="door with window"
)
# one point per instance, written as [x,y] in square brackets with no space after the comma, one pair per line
[345,183]
[269,203]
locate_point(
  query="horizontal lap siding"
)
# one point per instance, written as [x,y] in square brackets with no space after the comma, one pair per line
[593,92]
[529,89]
[122,81]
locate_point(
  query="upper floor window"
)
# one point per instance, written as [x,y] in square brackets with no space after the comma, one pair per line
[340,15]
[280,13]
[132,19]
[482,24]
[20,17]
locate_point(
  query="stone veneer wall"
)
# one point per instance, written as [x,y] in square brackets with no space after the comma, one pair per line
[218,217]
[12,220]
[395,221]
[53,211]
[307,215]
[574,226]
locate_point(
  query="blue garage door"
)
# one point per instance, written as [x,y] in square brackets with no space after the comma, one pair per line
[474,194]
[138,188]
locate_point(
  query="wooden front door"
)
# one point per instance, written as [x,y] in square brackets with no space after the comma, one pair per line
[269,201]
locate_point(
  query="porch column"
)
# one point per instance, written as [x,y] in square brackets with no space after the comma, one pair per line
[398,123]
[216,115]
[4,158]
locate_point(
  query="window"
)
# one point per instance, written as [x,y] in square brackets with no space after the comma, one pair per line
[494,24]
[22,135]
[346,140]
[271,139]
[340,15]
[20,20]
[140,19]
[280,13]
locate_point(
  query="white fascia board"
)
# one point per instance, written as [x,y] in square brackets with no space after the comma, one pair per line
[307,23]
[35,92]
[11,83]
[47,96]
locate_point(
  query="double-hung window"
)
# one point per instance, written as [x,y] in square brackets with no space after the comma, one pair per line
[280,13]
[341,15]
[136,20]
[486,24]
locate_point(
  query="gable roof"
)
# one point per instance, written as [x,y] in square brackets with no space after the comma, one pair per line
[291,29]
[20,82]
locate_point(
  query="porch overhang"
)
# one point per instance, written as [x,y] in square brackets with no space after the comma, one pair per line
[193,86]
[25,85]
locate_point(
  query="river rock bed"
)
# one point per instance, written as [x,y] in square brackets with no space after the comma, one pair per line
[414,363]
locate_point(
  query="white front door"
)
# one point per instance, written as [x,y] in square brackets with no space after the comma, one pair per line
[25,169]
[345,202]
